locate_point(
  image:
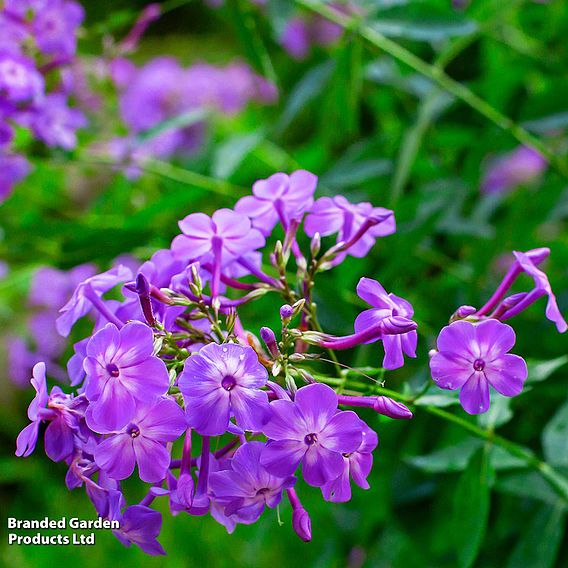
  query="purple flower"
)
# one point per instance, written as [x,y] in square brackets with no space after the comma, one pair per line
[542,288]
[19,79]
[51,287]
[142,441]
[13,169]
[518,167]
[55,25]
[386,306]
[223,381]
[295,38]
[330,215]
[87,294]
[473,357]
[506,308]
[54,123]
[226,235]
[357,464]
[310,431]
[139,525]
[121,371]
[20,360]
[248,487]
[64,413]
[278,198]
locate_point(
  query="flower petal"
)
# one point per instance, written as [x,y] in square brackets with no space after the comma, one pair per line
[343,433]
[282,457]
[474,396]
[507,374]
[321,465]
[115,456]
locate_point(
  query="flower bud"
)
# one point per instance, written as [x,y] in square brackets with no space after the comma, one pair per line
[391,408]
[286,312]
[315,245]
[397,325]
[464,311]
[302,524]
[267,335]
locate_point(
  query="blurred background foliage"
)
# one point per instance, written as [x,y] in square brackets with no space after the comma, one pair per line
[372,128]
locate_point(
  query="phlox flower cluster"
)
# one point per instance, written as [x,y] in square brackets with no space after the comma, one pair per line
[222,419]
[37,41]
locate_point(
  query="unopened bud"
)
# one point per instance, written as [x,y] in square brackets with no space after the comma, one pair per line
[391,408]
[302,524]
[315,245]
[267,335]
[397,325]
[286,312]
[464,312]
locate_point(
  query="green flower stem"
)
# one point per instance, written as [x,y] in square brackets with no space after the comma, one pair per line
[437,75]
[556,480]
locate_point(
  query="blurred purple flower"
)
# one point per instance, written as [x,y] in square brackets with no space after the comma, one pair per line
[278,198]
[142,441]
[121,371]
[51,287]
[357,464]
[54,27]
[247,488]
[19,79]
[473,357]
[518,167]
[223,381]
[13,169]
[310,431]
[54,123]
[87,294]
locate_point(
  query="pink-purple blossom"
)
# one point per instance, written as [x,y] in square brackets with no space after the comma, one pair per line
[142,441]
[222,381]
[280,198]
[311,431]
[474,357]
[386,306]
[247,487]
[357,465]
[122,372]
[330,215]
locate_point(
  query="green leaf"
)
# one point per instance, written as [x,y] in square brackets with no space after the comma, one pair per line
[231,152]
[422,24]
[471,507]
[451,459]
[498,414]
[527,484]
[538,547]
[555,438]
[308,88]
[541,370]
[455,458]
